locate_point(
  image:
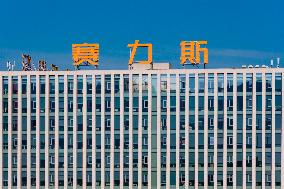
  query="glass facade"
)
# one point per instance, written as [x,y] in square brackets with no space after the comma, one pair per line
[151,129]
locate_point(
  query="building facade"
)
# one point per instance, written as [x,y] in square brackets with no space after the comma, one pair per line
[175,128]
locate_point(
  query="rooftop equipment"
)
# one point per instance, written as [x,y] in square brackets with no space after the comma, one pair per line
[42,65]
[54,67]
[10,66]
[278,62]
[26,62]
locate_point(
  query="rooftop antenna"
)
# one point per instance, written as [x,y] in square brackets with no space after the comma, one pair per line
[278,62]
[271,63]
[10,66]
[13,65]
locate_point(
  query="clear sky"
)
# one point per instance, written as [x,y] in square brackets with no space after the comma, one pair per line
[238,32]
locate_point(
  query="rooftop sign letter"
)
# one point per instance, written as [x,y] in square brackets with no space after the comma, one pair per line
[85,53]
[133,52]
[190,50]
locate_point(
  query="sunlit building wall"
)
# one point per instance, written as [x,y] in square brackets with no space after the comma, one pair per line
[175,128]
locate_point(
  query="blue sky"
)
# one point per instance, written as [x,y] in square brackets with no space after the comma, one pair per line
[238,32]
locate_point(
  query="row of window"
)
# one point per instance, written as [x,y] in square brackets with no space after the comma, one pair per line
[145,178]
[144,82]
